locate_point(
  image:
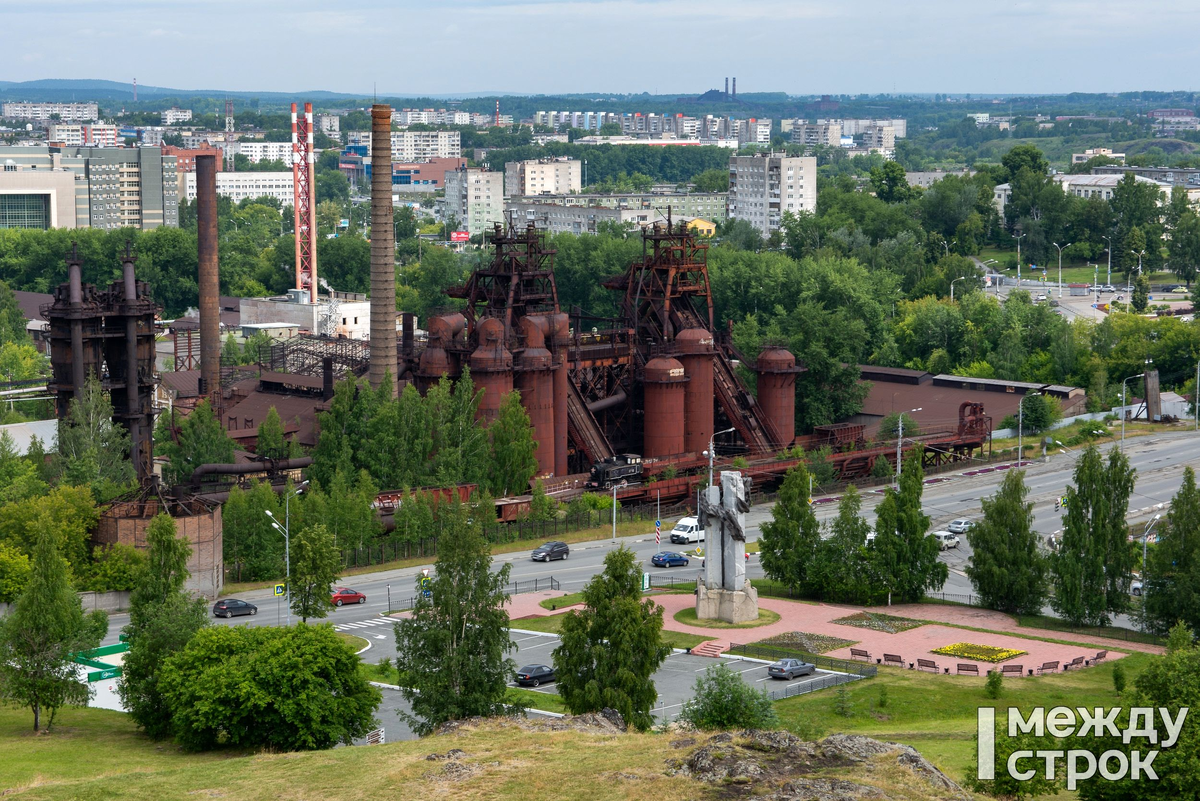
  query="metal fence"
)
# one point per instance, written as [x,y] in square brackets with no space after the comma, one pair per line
[860,670]
[953,598]
[671,582]
[516,588]
[819,683]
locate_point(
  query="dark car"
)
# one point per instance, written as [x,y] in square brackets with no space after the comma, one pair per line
[550,551]
[228,607]
[533,675]
[345,595]
[669,559]
[790,669]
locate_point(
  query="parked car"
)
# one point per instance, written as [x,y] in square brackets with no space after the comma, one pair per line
[960,526]
[1180,290]
[669,559]
[550,551]
[1119,299]
[1170,288]
[687,531]
[533,675]
[1135,588]
[1108,288]
[230,607]
[345,595]
[1187,318]
[1041,296]
[945,540]
[790,669]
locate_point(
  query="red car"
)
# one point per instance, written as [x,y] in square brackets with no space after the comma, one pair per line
[344,595]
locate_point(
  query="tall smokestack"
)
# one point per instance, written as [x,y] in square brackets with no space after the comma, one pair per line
[383,249]
[726,88]
[210,282]
[735,88]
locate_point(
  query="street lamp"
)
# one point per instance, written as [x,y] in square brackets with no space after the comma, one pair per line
[1019,238]
[899,441]
[1145,539]
[994,272]
[960,278]
[1129,283]
[1020,428]
[1109,248]
[1060,250]
[712,447]
[1124,408]
[285,530]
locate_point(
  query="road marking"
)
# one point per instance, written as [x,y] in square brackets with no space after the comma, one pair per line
[381,636]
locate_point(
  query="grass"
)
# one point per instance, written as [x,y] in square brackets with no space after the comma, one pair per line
[356,643]
[1110,632]
[533,699]
[937,714]
[551,624]
[562,601]
[687,617]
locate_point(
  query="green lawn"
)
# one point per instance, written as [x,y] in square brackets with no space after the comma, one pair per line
[937,714]
[562,601]
[553,623]
[532,699]
[687,617]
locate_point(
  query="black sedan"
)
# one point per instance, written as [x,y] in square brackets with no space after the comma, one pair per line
[790,669]
[229,607]
[550,551]
[533,675]
[669,559]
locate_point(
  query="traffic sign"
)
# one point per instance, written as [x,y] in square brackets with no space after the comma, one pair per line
[658,532]
[279,589]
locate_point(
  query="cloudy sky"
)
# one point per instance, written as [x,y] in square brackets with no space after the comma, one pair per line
[668,46]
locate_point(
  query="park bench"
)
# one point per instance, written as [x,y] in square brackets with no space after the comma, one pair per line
[1100,657]
[927,664]
[1048,667]
[858,653]
[1077,662]
[1006,670]
[965,668]
[893,659]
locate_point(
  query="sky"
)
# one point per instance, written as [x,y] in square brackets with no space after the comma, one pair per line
[430,47]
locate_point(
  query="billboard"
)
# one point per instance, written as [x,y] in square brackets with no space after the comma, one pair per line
[459,236]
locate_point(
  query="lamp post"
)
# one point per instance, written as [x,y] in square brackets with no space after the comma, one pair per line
[1129,283]
[1060,250]
[1020,428]
[1019,238]
[994,272]
[899,442]
[285,530]
[1145,539]
[1108,282]
[952,287]
[1124,408]
[712,448]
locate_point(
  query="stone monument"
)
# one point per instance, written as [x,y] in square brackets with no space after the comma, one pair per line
[723,593]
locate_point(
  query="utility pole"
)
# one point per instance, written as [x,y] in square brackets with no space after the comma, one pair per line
[1020,428]
[1019,238]
[899,442]
[1109,281]
[1124,406]
[1060,250]
[614,513]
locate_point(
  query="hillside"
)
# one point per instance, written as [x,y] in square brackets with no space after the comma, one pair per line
[97,755]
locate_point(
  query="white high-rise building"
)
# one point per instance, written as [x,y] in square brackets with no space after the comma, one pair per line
[44,112]
[763,187]
[475,198]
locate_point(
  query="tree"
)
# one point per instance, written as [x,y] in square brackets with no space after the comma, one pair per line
[93,451]
[1006,568]
[19,477]
[287,689]
[454,647]
[333,186]
[788,544]
[722,701]
[14,573]
[251,543]
[611,648]
[1171,577]
[1027,157]
[715,180]
[163,618]
[905,558]
[842,571]
[890,183]
[510,437]
[71,513]
[1140,299]
[115,568]
[1091,570]
[202,440]
[542,508]
[271,444]
[315,567]
[889,426]
[40,637]
[1039,413]
[347,510]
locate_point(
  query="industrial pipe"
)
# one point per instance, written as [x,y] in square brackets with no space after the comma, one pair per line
[615,399]
[78,363]
[270,465]
[209,273]
[383,250]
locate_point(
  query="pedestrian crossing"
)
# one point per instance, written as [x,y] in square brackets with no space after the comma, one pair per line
[364,624]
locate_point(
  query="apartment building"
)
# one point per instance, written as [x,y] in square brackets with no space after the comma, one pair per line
[856,127]
[265,151]
[45,112]
[425,176]
[174,115]
[239,186]
[828,134]
[123,187]
[185,158]
[649,205]
[1093,152]
[576,219]
[763,187]
[98,135]
[881,137]
[329,124]
[552,176]
[475,197]
[755,132]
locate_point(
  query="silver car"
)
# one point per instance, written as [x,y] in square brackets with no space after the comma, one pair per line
[790,669]
[960,526]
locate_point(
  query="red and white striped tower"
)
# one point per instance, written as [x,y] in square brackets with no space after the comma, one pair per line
[497,112]
[303,201]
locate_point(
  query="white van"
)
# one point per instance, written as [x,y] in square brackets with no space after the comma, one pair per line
[687,531]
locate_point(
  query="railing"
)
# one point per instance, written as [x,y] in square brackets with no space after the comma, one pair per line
[857,669]
[954,598]
[516,588]
[823,682]
[671,582]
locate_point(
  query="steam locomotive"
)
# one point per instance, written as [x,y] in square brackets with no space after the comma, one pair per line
[624,468]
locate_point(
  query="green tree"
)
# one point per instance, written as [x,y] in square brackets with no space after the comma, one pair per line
[12,319]
[890,183]
[72,515]
[202,440]
[19,477]
[163,618]
[1039,413]
[14,572]
[93,451]
[1025,157]
[42,633]
[286,689]
[542,507]
[271,444]
[842,573]
[454,647]
[715,180]
[315,567]
[722,701]
[347,510]
[905,558]
[1140,298]
[1171,588]
[611,648]
[115,568]
[251,543]
[788,545]
[513,449]
[333,186]
[460,447]
[1091,569]
[1006,568]
[889,426]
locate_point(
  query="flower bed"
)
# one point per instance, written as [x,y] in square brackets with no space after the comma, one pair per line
[875,621]
[808,643]
[983,653]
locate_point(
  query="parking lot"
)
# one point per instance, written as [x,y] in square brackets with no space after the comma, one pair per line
[675,680]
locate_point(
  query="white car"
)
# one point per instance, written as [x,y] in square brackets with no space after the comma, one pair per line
[1135,588]
[687,531]
[960,526]
[1040,298]
[1109,288]
[945,540]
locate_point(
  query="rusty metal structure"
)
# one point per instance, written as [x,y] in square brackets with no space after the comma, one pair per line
[109,334]
[304,203]
[383,250]
[209,274]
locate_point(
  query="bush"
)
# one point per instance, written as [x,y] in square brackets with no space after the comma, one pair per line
[723,701]
[669,472]
[883,699]
[115,569]
[1118,677]
[740,463]
[995,683]
[882,468]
